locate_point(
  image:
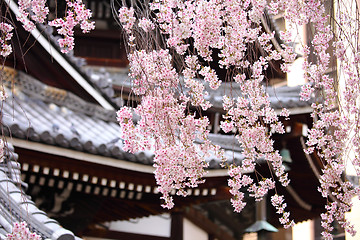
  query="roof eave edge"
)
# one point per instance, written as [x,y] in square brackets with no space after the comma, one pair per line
[86,157]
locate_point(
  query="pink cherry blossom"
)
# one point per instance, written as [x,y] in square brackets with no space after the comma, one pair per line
[21,231]
[5,37]
[77,14]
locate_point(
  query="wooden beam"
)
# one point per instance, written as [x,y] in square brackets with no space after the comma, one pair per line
[108,62]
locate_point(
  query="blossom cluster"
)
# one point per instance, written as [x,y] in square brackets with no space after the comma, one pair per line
[77,14]
[164,125]
[21,231]
[335,130]
[197,32]
[278,202]
[5,37]
[229,27]
[127,19]
[32,12]
[237,181]
[35,10]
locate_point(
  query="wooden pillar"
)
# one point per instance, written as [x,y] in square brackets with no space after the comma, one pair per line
[177,226]
[261,214]
[216,123]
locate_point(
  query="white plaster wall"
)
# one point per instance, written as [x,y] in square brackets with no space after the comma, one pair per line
[303,230]
[296,75]
[192,232]
[153,225]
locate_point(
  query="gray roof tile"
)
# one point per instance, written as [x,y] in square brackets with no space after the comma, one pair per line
[16,206]
[32,113]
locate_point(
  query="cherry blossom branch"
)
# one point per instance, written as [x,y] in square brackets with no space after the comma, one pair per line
[223,25]
[32,12]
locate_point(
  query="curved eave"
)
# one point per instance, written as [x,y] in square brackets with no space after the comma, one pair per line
[86,157]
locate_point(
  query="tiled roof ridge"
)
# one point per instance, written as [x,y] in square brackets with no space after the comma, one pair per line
[16,206]
[38,90]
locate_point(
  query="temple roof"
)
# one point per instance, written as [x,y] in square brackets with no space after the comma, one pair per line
[16,206]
